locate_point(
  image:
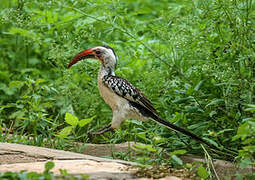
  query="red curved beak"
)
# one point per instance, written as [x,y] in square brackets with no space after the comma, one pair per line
[87,53]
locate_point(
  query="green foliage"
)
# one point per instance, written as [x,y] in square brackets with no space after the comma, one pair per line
[246,132]
[48,166]
[201,171]
[73,121]
[193,59]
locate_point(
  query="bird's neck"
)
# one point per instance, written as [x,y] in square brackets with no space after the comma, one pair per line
[105,71]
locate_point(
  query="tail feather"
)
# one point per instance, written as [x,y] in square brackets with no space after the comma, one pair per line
[153,116]
[181,130]
[147,113]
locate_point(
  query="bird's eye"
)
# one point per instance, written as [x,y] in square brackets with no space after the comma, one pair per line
[98,52]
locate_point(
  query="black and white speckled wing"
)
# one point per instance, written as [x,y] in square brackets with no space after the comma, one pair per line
[126,90]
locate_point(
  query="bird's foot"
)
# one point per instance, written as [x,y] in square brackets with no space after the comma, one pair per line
[102,130]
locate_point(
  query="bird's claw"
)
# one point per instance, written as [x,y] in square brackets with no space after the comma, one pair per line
[102,130]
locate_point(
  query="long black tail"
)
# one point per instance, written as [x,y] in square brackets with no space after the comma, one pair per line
[221,151]
[145,112]
[183,131]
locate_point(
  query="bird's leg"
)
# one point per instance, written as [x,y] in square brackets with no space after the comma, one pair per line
[102,130]
[104,127]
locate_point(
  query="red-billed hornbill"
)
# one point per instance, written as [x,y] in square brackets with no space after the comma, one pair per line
[126,101]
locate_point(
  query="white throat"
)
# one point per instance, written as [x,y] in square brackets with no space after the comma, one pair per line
[104,70]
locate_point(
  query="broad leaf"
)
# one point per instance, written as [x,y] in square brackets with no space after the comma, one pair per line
[65,131]
[71,119]
[84,122]
[202,172]
[48,166]
[177,159]
[181,151]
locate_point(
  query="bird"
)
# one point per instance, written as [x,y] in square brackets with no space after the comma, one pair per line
[125,100]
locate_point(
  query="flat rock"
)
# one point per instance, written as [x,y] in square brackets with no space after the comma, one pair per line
[95,169]
[17,157]
[49,154]
[109,149]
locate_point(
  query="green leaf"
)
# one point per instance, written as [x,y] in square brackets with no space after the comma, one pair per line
[158,139]
[23,32]
[251,107]
[71,119]
[177,159]
[38,81]
[65,131]
[211,141]
[177,117]
[181,151]
[197,125]
[242,132]
[6,89]
[247,119]
[143,146]
[212,113]
[136,149]
[48,166]
[202,172]
[198,85]
[183,100]
[151,149]
[193,109]
[16,84]
[84,122]
[245,162]
[142,135]
[215,102]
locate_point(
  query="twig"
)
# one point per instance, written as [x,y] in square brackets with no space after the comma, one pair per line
[208,157]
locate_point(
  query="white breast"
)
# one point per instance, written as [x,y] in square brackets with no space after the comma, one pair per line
[113,100]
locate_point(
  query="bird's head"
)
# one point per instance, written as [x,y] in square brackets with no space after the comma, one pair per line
[104,54]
